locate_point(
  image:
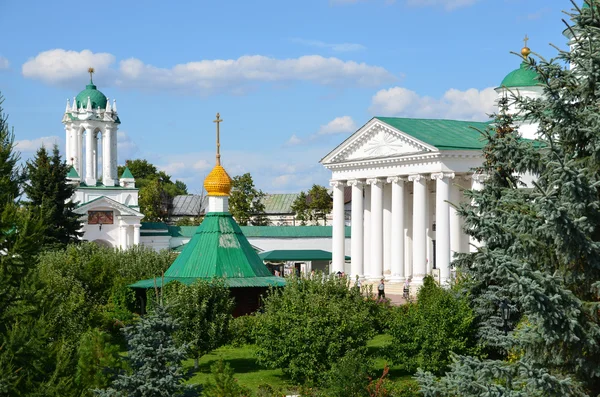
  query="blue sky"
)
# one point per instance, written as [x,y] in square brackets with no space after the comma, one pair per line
[291,79]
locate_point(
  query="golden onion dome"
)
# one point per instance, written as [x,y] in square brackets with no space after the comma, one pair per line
[218,182]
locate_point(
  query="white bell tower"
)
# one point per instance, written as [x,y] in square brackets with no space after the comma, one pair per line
[89,118]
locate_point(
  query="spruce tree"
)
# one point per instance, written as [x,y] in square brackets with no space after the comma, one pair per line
[540,250]
[47,189]
[23,352]
[154,360]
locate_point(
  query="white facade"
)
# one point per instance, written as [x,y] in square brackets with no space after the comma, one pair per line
[108,206]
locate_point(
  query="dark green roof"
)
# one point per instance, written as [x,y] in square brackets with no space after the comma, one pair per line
[443,134]
[524,76]
[296,255]
[279,203]
[218,248]
[97,98]
[72,173]
[254,231]
[127,174]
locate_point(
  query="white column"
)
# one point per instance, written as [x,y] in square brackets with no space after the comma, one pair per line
[387,229]
[442,224]
[455,223]
[419,228]
[476,184]
[89,158]
[357,242]
[122,235]
[338,235]
[113,155]
[136,234]
[367,232]
[79,154]
[376,268]
[397,254]
[108,177]
[69,145]
[95,155]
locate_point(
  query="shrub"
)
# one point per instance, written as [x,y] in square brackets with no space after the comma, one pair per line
[310,324]
[242,330]
[350,376]
[223,383]
[426,332]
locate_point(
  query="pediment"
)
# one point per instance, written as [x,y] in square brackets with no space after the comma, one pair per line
[104,202]
[376,140]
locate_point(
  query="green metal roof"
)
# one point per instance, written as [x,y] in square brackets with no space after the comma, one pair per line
[72,173]
[443,134]
[255,231]
[154,226]
[97,98]
[271,281]
[99,185]
[218,248]
[127,174]
[296,255]
[524,76]
[279,203]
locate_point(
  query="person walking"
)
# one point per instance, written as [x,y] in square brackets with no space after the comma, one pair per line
[381,290]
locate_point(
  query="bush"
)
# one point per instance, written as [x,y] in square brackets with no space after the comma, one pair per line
[350,376]
[242,330]
[426,332]
[310,324]
[407,388]
[223,383]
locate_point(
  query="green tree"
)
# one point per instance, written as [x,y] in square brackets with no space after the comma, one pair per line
[24,354]
[245,201]
[154,360]
[47,189]
[157,190]
[98,360]
[223,383]
[301,209]
[204,310]
[313,206]
[425,333]
[541,246]
[309,325]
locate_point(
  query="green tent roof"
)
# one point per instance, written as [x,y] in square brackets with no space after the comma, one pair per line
[127,174]
[296,255]
[219,249]
[72,173]
[443,134]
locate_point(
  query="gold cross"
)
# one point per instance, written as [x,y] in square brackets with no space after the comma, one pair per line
[218,121]
[526,39]
[91,72]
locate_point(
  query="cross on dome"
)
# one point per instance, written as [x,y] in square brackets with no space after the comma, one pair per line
[525,51]
[91,72]
[218,182]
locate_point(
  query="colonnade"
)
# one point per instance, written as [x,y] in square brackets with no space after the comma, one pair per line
[76,157]
[391,241]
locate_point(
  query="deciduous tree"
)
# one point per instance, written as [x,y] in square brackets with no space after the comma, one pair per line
[245,201]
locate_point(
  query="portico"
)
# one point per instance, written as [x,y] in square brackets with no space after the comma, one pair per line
[405,175]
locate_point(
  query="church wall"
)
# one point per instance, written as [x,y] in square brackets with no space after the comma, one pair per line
[157,243]
[108,233]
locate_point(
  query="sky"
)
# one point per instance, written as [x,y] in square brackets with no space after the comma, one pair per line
[291,79]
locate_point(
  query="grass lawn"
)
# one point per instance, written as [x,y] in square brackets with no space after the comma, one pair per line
[250,374]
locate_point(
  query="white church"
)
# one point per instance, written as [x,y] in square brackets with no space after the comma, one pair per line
[404,174]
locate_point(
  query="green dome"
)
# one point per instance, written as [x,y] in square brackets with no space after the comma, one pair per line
[96,97]
[522,77]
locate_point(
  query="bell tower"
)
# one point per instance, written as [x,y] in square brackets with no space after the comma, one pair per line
[88,119]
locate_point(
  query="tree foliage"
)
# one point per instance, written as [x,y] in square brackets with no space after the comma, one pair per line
[425,333]
[154,360]
[204,310]
[310,324]
[313,206]
[223,383]
[245,201]
[541,245]
[47,189]
[157,190]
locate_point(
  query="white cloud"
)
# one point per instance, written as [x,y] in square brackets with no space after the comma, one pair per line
[342,2]
[338,125]
[173,168]
[447,4]
[294,140]
[4,64]
[126,147]
[30,146]
[342,47]
[65,68]
[471,104]
[204,77]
